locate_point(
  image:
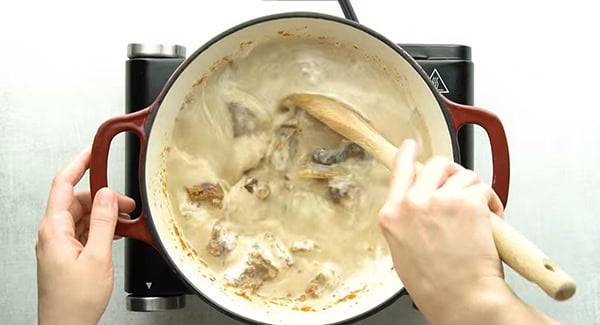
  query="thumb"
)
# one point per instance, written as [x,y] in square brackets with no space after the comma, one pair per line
[403,178]
[403,173]
[103,220]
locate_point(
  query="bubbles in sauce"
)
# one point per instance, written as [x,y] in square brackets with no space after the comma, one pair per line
[277,204]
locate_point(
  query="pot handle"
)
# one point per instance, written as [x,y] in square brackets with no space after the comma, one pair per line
[132,228]
[463,114]
[514,248]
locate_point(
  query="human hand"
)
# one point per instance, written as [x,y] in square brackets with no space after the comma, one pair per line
[436,223]
[74,260]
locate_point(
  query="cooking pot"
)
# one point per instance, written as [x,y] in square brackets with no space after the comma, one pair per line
[154,126]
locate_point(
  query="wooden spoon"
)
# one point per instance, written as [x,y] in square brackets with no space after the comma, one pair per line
[514,249]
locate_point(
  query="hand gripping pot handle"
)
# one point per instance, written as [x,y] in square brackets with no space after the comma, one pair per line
[132,228]
[514,249]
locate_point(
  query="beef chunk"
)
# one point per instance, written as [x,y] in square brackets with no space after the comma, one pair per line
[221,241]
[260,189]
[243,119]
[329,156]
[354,150]
[343,190]
[213,193]
[258,270]
[320,283]
[279,250]
[332,156]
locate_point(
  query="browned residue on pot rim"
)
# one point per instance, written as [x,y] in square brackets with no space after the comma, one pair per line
[285,33]
[178,235]
[199,81]
[243,294]
[245,44]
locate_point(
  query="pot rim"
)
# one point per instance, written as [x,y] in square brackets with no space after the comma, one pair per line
[156,105]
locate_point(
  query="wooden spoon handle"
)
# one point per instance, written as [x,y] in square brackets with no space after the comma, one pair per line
[529,261]
[514,249]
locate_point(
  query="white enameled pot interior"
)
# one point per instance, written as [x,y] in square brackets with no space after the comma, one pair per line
[418,97]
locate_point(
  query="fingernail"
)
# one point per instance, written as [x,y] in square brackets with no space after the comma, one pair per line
[105,197]
[408,144]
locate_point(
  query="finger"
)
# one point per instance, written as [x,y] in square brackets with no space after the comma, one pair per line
[126,204]
[494,203]
[81,227]
[83,238]
[83,204]
[460,180]
[433,175]
[403,176]
[61,191]
[59,225]
[488,197]
[403,173]
[103,220]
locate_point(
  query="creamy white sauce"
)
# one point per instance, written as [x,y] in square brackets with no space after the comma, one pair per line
[345,239]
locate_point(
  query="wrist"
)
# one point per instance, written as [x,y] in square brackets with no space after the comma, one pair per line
[487,305]
[62,319]
[457,305]
[53,314]
[492,302]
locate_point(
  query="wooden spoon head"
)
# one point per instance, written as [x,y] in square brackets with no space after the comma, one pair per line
[333,113]
[344,120]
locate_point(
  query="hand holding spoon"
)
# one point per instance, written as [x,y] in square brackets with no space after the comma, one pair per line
[514,249]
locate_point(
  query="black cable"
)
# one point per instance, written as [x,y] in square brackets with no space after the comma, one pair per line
[347,10]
